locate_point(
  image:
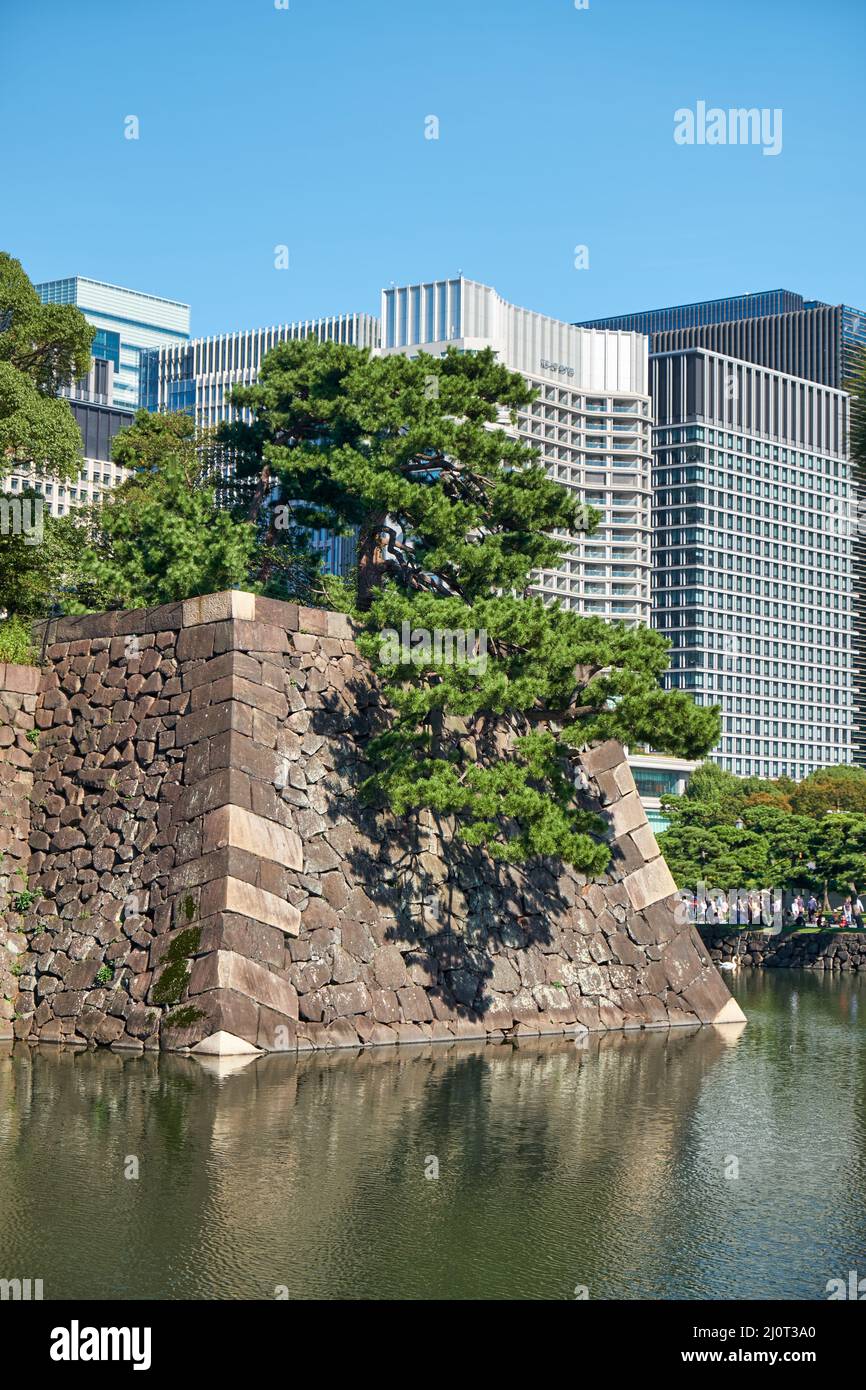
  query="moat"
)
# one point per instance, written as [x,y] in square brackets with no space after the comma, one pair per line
[560,1167]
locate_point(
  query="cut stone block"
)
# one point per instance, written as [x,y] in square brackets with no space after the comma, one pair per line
[232,895]
[215,608]
[645,840]
[242,829]
[604,756]
[730,1013]
[228,970]
[627,814]
[224,1044]
[649,884]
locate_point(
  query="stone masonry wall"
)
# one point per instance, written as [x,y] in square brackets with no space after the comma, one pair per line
[210,880]
[18,694]
[823,950]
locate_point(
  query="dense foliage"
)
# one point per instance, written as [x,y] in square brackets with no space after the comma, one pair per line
[732,833]
[42,348]
[454,515]
[161,535]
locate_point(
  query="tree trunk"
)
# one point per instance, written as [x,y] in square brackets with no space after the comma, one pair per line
[371,560]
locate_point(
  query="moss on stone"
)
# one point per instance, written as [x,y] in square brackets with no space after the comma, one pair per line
[171,983]
[183,1018]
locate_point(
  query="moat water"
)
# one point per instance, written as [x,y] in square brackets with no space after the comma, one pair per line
[725,1164]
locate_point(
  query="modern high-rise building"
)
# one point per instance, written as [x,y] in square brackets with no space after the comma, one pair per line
[705,311]
[198,376]
[752,571]
[775,328]
[590,424]
[797,337]
[127,323]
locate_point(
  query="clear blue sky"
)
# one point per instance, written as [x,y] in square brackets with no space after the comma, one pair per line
[305,127]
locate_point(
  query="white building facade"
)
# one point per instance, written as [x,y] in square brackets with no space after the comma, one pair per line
[590,424]
[198,376]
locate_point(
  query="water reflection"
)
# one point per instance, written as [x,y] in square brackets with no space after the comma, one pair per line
[558,1165]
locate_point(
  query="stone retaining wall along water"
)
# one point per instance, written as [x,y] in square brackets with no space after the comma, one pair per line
[824,950]
[209,880]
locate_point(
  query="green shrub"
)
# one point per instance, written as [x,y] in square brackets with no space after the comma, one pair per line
[183,1018]
[23,901]
[16,643]
[104,975]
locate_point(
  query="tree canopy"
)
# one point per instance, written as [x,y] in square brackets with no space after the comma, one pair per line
[455,515]
[41,564]
[730,832]
[43,347]
[161,535]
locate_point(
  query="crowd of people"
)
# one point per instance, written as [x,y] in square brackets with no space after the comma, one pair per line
[809,912]
[739,909]
[764,907]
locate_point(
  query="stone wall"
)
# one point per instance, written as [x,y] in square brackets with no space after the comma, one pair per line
[823,950]
[18,694]
[210,880]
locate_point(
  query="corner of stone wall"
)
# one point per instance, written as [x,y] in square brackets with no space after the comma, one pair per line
[239,857]
[197,838]
[680,966]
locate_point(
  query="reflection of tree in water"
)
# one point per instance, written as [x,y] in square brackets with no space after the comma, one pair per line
[78,1116]
[309,1171]
[544,1139]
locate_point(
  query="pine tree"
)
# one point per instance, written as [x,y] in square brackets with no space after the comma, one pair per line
[160,535]
[455,515]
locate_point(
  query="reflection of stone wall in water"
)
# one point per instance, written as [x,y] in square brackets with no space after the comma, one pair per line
[274,1170]
[209,877]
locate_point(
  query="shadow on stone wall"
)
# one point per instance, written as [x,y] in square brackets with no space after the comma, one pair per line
[211,880]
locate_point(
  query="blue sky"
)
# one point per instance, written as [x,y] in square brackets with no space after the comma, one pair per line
[305,127]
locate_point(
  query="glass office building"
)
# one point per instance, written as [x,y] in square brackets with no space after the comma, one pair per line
[590,424]
[752,577]
[127,323]
[776,328]
[797,337]
[706,311]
